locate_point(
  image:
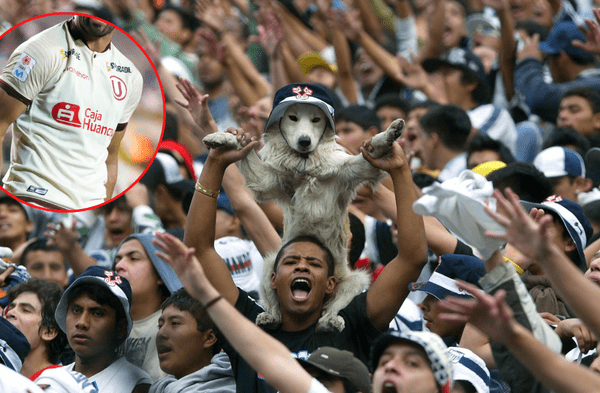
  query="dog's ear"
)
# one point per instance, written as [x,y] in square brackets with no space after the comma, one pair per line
[329,133]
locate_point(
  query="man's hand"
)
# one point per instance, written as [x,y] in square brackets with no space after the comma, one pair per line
[197,105]
[526,234]
[574,327]
[225,156]
[592,35]
[488,313]
[531,48]
[391,163]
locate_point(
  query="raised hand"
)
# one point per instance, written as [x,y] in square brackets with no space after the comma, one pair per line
[526,234]
[488,313]
[197,105]
[592,34]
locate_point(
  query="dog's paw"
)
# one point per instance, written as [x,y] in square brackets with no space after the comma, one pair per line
[394,131]
[383,142]
[221,139]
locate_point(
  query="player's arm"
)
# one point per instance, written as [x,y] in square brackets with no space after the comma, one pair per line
[10,109]
[387,293]
[112,161]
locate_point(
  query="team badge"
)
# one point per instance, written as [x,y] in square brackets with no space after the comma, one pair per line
[302,94]
[23,67]
[119,88]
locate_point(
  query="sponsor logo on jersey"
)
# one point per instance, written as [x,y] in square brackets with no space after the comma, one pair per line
[119,88]
[37,190]
[23,67]
[69,114]
[117,68]
[68,53]
[77,73]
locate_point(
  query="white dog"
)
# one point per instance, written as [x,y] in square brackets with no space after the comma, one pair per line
[313,180]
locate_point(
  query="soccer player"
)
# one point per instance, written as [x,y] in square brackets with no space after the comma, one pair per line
[69,93]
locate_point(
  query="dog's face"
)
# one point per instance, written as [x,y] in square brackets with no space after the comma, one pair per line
[302,125]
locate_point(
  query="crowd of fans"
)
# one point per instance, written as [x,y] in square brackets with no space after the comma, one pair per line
[472,290]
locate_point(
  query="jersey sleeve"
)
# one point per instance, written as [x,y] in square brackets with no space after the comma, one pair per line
[31,66]
[133,98]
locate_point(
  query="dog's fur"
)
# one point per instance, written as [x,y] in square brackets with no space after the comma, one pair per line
[313,180]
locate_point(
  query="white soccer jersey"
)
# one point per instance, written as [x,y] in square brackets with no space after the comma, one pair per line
[77,99]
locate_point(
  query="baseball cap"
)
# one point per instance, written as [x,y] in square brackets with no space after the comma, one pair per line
[165,170]
[485,168]
[341,364]
[452,267]
[301,93]
[313,59]
[224,203]
[166,272]
[572,217]
[467,366]
[557,161]
[118,285]
[486,24]
[14,346]
[560,39]
[432,344]
[460,58]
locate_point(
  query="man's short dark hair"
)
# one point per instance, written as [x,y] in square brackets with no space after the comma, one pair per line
[525,180]
[450,123]
[328,255]
[481,142]
[362,115]
[49,294]
[188,20]
[10,201]
[565,137]
[117,203]
[427,104]
[184,302]
[590,94]
[393,100]
[39,245]
[104,297]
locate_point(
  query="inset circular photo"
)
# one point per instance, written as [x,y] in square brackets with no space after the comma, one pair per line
[81,111]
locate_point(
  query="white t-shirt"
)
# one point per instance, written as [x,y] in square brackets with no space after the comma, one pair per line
[77,99]
[62,380]
[243,260]
[317,387]
[12,381]
[140,347]
[119,377]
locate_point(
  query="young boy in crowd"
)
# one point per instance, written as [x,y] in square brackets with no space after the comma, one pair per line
[94,314]
[188,349]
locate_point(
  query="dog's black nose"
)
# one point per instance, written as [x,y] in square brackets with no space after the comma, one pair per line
[304,141]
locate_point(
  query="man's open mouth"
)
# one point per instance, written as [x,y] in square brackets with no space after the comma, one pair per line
[300,288]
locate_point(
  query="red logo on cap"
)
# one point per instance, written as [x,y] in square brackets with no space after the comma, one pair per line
[26,60]
[110,280]
[298,90]
[554,198]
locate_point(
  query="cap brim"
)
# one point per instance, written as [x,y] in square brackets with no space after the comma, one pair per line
[548,49]
[279,110]
[435,290]
[572,231]
[61,309]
